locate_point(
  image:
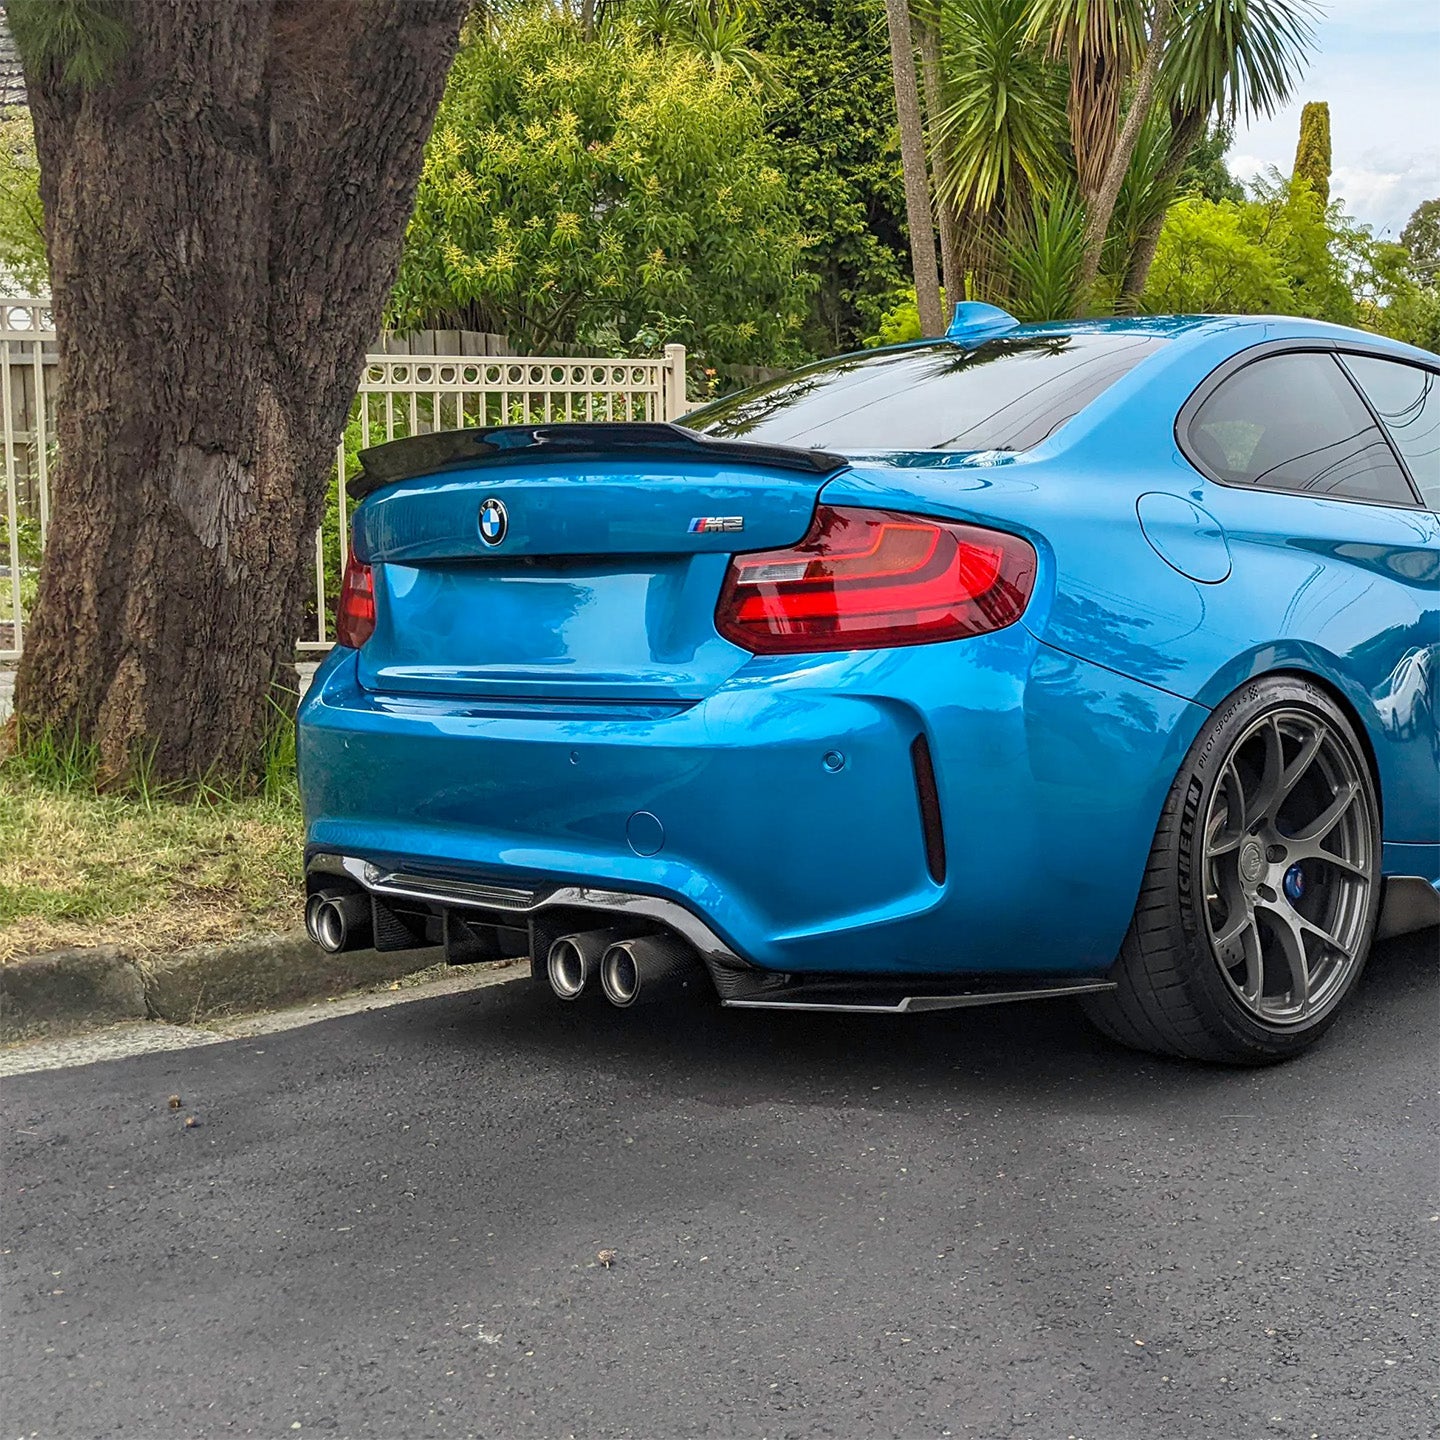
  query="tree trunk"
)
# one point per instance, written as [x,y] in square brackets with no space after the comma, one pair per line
[1102,207]
[918,216]
[932,69]
[225,211]
[1185,132]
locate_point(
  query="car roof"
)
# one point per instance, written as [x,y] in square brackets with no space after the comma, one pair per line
[1245,330]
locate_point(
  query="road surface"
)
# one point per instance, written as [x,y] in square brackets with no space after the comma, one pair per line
[990,1225]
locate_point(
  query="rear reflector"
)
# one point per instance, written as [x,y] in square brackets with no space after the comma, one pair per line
[355,614]
[928,794]
[869,579]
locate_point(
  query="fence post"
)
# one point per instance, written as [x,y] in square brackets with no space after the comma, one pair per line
[674,382]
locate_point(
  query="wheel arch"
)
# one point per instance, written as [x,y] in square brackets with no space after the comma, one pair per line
[1315,672]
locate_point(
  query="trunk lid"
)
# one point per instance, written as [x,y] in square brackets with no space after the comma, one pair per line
[567,563]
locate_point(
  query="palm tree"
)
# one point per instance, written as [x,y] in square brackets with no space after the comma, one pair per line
[1102,41]
[918,215]
[915,166]
[1001,129]
[932,74]
[1231,58]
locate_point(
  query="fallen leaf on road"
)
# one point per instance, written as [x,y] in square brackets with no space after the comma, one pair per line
[174,1102]
[606,1257]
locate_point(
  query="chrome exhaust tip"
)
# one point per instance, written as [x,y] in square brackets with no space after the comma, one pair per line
[337,922]
[646,968]
[573,960]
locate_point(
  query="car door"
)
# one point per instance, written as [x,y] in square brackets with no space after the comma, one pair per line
[1334,543]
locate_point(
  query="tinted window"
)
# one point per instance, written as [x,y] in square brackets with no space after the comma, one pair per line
[1407,399]
[1004,394]
[1295,422]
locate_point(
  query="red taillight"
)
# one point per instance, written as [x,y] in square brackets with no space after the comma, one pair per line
[355,615]
[868,579]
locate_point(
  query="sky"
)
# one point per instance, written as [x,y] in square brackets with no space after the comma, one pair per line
[1378,64]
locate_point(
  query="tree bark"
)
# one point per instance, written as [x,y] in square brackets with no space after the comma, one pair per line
[918,216]
[1102,207]
[1185,132]
[932,70]
[225,211]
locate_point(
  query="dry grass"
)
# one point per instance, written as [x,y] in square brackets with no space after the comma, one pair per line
[81,868]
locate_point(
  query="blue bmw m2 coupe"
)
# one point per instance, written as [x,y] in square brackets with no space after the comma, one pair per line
[1095,659]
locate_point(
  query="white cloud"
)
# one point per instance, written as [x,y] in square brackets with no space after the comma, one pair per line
[1377,65]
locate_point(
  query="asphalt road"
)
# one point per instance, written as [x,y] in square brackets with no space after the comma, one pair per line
[993,1225]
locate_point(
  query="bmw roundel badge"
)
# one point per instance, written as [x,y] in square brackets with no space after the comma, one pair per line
[494,521]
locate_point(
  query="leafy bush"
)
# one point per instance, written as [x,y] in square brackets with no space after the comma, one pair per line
[831,115]
[579,191]
[1279,252]
[22,218]
[1045,259]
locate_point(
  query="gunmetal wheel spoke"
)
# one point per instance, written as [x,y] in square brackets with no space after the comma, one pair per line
[1254,987]
[1290,941]
[1232,832]
[1309,927]
[1296,770]
[1285,910]
[1329,817]
[1236,924]
[1328,857]
[1264,801]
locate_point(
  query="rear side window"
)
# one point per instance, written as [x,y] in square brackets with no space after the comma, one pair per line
[1008,393]
[1407,399]
[1295,422]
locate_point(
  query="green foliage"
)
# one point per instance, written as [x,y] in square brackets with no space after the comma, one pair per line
[1227,59]
[1045,259]
[832,120]
[80,40]
[1004,127]
[900,323]
[1144,195]
[1421,239]
[1278,252]
[1414,316]
[1211,260]
[28,541]
[720,32]
[22,218]
[575,192]
[1205,173]
[1312,153]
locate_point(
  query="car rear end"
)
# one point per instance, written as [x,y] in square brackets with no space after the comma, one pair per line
[776,704]
[670,686]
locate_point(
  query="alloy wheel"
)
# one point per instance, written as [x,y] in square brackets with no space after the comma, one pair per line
[1289,863]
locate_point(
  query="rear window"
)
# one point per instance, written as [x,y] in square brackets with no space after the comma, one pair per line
[1008,393]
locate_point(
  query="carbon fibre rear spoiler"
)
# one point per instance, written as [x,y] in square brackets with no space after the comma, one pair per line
[460,449]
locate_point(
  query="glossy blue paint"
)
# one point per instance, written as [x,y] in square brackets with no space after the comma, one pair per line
[1188,539]
[973,320]
[585,507]
[512,718]
[1045,760]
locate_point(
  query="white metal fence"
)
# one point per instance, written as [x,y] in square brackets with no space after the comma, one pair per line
[399,395]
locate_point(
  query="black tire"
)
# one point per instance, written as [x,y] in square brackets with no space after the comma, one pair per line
[1175,996]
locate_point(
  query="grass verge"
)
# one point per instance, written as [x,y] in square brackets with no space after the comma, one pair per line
[147,871]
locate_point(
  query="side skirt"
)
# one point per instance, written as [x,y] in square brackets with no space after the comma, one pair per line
[1409,903]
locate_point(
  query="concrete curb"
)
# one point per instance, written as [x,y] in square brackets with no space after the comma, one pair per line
[45,996]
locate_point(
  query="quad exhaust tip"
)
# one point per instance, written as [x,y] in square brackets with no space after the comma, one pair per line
[339,920]
[646,968]
[573,961]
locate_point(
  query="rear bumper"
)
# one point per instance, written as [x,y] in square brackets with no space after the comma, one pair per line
[782,811]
